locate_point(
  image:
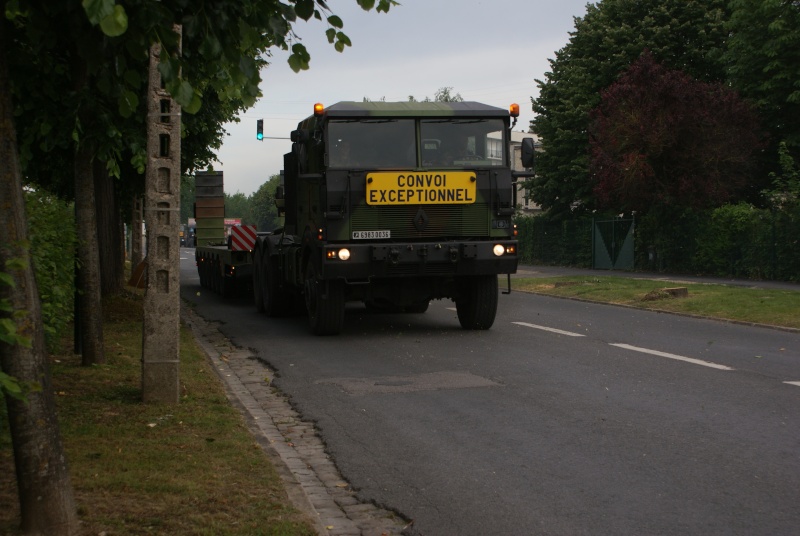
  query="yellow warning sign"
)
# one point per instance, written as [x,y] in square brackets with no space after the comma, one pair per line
[421,188]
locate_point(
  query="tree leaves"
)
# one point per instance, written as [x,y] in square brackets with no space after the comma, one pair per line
[300,58]
[685,34]
[127,103]
[112,18]
[116,23]
[304,9]
[660,137]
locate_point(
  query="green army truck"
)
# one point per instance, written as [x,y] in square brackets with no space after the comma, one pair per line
[393,204]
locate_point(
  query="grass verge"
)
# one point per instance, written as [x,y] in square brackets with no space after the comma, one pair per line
[760,306]
[192,468]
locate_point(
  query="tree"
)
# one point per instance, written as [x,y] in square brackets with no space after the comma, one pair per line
[660,138]
[682,34]
[46,500]
[443,94]
[238,206]
[71,78]
[262,205]
[76,93]
[764,65]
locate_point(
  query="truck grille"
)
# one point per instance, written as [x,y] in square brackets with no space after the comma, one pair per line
[423,221]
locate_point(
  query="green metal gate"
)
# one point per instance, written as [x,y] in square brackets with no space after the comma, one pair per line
[612,244]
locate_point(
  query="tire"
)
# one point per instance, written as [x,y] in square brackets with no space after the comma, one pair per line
[476,305]
[258,299]
[325,305]
[200,274]
[217,276]
[276,300]
[212,274]
[226,285]
[418,308]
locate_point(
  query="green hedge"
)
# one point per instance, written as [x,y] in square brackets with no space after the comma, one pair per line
[730,241]
[51,229]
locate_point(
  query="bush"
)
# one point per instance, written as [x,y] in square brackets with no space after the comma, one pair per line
[51,228]
[722,242]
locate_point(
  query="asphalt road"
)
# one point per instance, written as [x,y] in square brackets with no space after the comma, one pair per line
[565,418]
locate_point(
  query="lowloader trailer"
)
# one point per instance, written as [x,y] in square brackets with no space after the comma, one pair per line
[224,259]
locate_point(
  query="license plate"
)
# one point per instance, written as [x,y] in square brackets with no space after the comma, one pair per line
[371,235]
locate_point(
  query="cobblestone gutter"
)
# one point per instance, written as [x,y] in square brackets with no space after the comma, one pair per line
[312,480]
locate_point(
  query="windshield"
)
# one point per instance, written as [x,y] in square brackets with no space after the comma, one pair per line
[392,143]
[372,143]
[462,142]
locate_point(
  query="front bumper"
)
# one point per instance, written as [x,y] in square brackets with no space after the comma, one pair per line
[414,259]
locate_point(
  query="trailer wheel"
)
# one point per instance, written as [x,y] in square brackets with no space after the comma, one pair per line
[217,277]
[212,282]
[325,304]
[476,304]
[257,280]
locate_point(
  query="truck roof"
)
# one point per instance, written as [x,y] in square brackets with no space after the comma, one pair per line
[413,109]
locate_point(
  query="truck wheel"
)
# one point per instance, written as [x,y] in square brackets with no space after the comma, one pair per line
[477,302]
[276,300]
[325,309]
[257,278]
[418,308]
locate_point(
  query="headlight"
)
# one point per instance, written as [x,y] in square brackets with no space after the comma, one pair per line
[498,250]
[342,254]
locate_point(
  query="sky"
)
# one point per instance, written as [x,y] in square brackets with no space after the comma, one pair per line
[490,51]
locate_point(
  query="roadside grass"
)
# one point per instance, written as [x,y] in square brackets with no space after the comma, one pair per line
[761,306]
[192,468]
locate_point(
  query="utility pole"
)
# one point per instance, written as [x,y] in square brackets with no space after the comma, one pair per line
[161,337]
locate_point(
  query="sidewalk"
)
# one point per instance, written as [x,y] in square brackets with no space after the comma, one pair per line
[529,270]
[311,478]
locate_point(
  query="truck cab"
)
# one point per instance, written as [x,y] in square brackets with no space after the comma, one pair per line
[392,205]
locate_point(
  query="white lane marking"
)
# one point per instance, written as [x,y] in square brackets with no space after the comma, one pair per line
[554,330]
[672,356]
[793,383]
[451,308]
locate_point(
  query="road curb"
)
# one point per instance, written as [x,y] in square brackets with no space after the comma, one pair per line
[311,479]
[664,311]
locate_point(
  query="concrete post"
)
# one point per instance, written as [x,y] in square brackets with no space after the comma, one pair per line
[161,336]
[136,231]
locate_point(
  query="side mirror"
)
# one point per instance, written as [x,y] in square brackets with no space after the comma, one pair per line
[299,135]
[528,151]
[280,199]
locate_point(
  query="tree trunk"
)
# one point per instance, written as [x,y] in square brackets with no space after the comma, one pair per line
[91,304]
[47,504]
[109,233]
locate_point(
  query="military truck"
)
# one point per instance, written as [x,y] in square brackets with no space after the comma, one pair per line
[393,204]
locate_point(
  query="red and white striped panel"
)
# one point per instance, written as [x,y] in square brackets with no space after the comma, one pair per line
[243,237]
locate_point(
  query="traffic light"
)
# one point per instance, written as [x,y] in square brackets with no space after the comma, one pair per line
[260,129]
